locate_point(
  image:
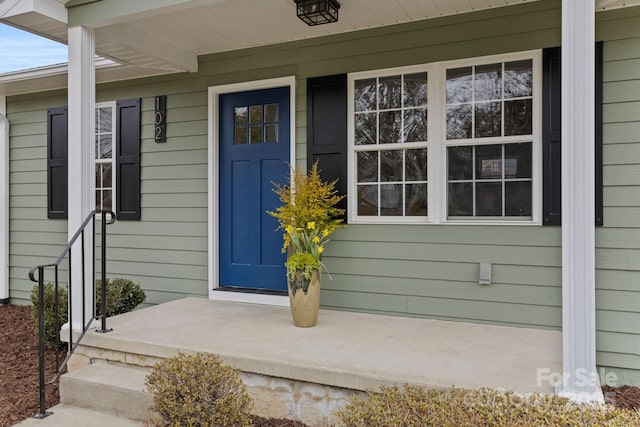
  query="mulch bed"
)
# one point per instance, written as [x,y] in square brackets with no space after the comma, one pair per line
[19,371]
[19,374]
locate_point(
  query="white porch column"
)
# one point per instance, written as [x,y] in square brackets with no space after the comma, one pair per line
[4,202]
[578,216]
[81,168]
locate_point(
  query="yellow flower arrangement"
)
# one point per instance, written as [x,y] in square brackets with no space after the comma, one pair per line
[308,215]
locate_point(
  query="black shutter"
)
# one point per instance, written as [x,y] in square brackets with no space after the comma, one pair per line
[551,136]
[327,129]
[57,161]
[128,159]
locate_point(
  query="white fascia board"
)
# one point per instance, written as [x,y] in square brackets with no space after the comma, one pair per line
[47,8]
[48,71]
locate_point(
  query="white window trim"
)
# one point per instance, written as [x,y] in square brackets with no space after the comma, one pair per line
[114,145]
[437,143]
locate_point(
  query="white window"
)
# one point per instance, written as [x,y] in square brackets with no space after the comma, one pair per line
[105,156]
[390,136]
[481,146]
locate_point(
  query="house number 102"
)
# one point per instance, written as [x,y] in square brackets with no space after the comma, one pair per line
[160,126]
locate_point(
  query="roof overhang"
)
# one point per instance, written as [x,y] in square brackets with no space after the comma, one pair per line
[151,37]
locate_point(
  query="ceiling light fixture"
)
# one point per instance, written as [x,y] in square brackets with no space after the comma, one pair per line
[317,12]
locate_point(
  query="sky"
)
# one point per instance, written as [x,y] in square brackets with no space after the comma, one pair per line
[20,50]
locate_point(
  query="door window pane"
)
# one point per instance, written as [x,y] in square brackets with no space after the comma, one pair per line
[271,113]
[271,133]
[240,116]
[255,133]
[255,114]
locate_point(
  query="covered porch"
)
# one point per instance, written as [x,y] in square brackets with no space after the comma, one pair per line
[305,374]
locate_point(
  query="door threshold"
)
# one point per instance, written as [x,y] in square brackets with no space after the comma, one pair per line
[252,296]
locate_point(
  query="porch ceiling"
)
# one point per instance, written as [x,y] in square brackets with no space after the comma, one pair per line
[150,37]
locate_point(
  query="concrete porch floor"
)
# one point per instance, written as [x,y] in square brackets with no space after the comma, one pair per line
[348,350]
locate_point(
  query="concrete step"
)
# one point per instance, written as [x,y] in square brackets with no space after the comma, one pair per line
[72,416]
[112,389]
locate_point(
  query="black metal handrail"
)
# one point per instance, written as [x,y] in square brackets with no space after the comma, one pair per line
[66,252]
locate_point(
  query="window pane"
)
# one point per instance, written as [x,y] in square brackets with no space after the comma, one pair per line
[460,163]
[367,166]
[390,125]
[391,199]
[461,199]
[105,146]
[241,135]
[106,200]
[365,129]
[391,165]
[271,133]
[104,123]
[367,200]
[518,117]
[255,114]
[416,165]
[459,85]
[489,199]
[415,199]
[240,115]
[517,160]
[98,176]
[271,113]
[488,119]
[365,95]
[489,162]
[518,79]
[415,90]
[518,198]
[390,92]
[106,176]
[459,121]
[256,134]
[98,200]
[488,82]
[415,125]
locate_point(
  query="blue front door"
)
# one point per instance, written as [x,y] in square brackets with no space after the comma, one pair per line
[254,151]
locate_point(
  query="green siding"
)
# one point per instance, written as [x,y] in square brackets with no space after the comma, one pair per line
[408,270]
[618,242]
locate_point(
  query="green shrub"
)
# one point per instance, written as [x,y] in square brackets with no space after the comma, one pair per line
[51,329]
[414,406]
[198,390]
[122,296]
